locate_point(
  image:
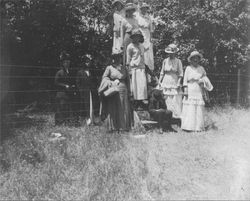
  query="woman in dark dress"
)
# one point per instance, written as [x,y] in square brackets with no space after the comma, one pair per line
[63,83]
[117,105]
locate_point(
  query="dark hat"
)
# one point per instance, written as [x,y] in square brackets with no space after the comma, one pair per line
[136,32]
[64,56]
[115,2]
[157,94]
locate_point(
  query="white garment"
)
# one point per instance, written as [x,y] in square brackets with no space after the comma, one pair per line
[146,27]
[193,110]
[121,26]
[139,84]
[171,71]
[135,56]
[135,60]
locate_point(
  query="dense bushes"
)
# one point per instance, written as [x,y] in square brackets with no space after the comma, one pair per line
[35,31]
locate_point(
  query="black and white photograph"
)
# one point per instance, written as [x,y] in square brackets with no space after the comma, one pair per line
[124,100]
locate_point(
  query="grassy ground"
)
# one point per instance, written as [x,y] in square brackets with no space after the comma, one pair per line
[94,165]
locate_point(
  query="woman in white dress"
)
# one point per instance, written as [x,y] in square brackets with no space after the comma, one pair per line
[131,19]
[193,102]
[146,27]
[121,27]
[170,81]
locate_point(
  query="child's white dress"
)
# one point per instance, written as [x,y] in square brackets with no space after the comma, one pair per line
[135,60]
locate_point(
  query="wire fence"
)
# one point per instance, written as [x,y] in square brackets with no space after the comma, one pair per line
[24,88]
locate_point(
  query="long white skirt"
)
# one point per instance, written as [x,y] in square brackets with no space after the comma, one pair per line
[193,113]
[139,84]
[174,104]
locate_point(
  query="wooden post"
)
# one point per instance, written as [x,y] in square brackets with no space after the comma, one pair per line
[238,87]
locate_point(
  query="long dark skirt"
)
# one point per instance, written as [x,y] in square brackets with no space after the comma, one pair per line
[118,110]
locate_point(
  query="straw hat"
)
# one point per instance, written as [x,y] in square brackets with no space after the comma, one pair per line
[130,6]
[171,49]
[116,2]
[193,54]
[145,5]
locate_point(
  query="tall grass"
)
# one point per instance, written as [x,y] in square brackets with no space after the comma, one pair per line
[91,164]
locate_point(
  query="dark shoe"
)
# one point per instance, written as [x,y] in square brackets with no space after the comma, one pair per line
[170,130]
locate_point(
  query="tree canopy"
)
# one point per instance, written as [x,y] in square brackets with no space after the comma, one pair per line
[34,32]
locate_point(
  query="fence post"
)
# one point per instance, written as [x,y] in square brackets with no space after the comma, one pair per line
[238,87]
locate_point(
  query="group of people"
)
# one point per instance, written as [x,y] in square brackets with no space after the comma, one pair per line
[74,92]
[130,84]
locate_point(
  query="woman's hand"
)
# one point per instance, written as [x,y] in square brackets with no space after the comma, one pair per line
[185,93]
[179,83]
[117,82]
[201,83]
[193,80]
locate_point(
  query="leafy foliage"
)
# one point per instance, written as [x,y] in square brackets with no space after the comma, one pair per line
[34,32]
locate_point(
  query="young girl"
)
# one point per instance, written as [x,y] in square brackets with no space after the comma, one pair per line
[136,65]
[193,102]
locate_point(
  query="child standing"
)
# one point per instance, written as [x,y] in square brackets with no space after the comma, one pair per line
[136,65]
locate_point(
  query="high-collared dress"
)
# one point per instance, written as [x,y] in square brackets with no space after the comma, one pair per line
[135,61]
[194,105]
[121,27]
[171,71]
[146,27]
[117,106]
[133,22]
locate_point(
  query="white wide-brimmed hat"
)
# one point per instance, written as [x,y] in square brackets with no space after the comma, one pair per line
[145,5]
[193,54]
[130,6]
[171,49]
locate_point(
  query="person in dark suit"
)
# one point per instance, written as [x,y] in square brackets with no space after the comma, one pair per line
[64,86]
[159,112]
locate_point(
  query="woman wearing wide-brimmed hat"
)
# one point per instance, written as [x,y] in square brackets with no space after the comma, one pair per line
[146,27]
[193,102]
[136,65]
[170,81]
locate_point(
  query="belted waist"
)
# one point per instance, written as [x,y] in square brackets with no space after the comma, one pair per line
[137,67]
